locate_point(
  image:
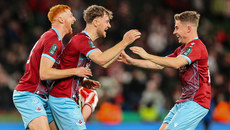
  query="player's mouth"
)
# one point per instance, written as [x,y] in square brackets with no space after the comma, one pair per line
[106,30]
[178,37]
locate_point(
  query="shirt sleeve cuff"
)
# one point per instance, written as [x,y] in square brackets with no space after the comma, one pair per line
[48,56]
[189,61]
[87,55]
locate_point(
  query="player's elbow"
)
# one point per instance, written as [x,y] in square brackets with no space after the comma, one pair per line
[105,66]
[102,63]
[161,68]
[44,76]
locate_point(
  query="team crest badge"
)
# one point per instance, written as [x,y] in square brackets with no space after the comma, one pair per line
[187,51]
[53,49]
[91,44]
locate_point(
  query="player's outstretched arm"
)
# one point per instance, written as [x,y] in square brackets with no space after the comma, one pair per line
[172,62]
[106,58]
[138,62]
[48,73]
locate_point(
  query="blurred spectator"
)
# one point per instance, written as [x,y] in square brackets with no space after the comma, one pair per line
[152,99]
[222,112]
[109,113]
[132,91]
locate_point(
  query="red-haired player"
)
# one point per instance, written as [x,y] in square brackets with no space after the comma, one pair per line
[31,94]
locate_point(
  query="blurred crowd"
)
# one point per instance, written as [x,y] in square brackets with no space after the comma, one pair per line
[22,22]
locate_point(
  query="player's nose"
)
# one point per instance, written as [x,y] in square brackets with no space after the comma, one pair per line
[174,32]
[74,19]
[109,25]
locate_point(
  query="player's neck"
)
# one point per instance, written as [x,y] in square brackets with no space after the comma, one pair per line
[191,37]
[91,30]
[61,30]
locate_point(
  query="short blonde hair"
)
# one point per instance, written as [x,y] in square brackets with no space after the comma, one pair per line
[95,11]
[188,16]
[55,10]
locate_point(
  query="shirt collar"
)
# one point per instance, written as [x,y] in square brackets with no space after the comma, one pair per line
[195,38]
[59,37]
[86,33]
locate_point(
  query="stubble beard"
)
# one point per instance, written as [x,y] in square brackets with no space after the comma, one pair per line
[100,34]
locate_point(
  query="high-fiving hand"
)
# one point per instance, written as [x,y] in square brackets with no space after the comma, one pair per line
[124,58]
[139,51]
[130,36]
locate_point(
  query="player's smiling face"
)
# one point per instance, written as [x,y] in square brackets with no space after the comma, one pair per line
[103,24]
[69,20]
[180,30]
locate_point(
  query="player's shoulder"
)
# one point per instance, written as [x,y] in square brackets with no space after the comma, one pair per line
[50,35]
[198,45]
[197,42]
[80,38]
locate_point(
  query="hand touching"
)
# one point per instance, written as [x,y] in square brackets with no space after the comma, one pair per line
[139,51]
[83,72]
[130,36]
[91,84]
[125,58]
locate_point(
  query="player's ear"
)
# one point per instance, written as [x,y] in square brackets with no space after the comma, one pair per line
[189,29]
[95,22]
[60,19]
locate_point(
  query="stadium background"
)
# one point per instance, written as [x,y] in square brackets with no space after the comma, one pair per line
[130,97]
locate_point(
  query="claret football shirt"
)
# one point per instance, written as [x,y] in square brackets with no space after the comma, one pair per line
[194,77]
[75,54]
[50,46]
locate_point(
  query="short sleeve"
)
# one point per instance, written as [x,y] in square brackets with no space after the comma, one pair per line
[175,53]
[52,48]
[191,53]
[86,46]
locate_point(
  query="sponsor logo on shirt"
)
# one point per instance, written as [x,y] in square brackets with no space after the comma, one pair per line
[187,51]
[91,44]
[53,49]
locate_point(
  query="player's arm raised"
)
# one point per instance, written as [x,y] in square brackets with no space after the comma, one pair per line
[48,73]
[107,57]
[172,62]
[138,62]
